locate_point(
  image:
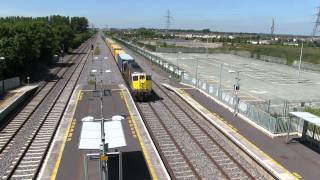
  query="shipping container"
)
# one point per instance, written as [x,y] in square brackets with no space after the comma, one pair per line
[117,53]
[124,59]
[115,47]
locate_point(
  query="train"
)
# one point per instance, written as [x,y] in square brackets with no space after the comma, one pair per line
[139,82]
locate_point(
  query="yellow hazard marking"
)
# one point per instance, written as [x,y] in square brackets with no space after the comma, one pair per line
[73,124]
[298,176]
[216,116]
[57,165]
[104,158]
[80,96]
[144,150]
[121,95]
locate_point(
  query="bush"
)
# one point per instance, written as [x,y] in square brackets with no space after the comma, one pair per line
[314,111]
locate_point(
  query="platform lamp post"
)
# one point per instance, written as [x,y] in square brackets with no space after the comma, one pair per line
[177,61]
[91,50]
[103,155]
[104,146]
[94,71]
[220,79]
[299,72]
[2,91]
[197,64]
[236,89]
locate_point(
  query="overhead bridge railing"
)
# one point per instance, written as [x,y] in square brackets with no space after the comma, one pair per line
[274,125]
[156,60]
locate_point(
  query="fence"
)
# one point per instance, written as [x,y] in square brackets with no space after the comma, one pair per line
[9,84]
[265,120]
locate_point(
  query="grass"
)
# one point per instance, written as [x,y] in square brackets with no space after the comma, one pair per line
[290,53]
[314,111]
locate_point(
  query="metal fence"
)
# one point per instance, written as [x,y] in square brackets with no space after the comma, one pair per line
[258,116]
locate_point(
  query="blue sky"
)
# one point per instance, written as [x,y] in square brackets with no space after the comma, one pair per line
[291,16]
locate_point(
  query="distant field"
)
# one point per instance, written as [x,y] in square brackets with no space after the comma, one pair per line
[289,53]
[310,54]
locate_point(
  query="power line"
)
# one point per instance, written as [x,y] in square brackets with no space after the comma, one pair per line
[316,24]
[168,20]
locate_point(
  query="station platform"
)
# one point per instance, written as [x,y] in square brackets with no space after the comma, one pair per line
[286,160]
[13,98]
[140,159]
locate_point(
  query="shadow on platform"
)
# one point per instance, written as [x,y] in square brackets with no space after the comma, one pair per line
[134,166]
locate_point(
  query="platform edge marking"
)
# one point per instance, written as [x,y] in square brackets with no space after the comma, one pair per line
[57,165]
[145,152]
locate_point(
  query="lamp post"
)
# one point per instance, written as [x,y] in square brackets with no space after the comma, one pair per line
[236,89]
[91,50]
[104,146]
[103,155]
[95,78]
[197,62]
[177,62]
[299,72]
[220,79]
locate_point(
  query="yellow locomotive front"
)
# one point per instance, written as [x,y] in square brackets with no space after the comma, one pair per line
[141,84]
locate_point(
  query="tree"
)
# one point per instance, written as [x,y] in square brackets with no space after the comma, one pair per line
[206,30]
[29,43]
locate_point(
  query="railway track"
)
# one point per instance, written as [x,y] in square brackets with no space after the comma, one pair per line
[188,144]
[10,128]
[25,140]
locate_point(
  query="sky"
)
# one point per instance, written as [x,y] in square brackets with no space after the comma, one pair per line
[291,16]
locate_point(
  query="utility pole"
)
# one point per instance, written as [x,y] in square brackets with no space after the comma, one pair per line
[316,24]
[168,20]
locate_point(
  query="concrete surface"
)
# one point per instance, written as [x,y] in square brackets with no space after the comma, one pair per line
[260,81]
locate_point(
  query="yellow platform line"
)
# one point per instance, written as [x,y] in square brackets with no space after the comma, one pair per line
[57,165]
[144,150]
